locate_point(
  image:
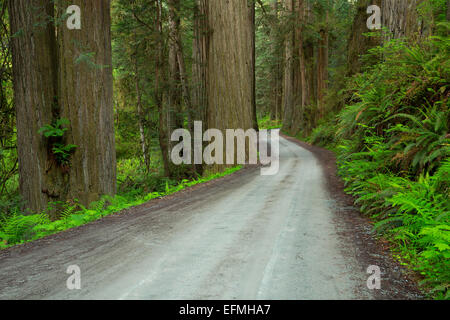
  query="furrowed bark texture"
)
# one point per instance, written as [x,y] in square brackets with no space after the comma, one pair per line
[230,65]
[200,61]
[69,77]
[34,73]
[400,17]
[230,68]
[85,96]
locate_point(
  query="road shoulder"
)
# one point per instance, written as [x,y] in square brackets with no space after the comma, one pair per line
[356,232]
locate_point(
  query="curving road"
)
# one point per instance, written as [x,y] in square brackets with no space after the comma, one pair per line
[245,237]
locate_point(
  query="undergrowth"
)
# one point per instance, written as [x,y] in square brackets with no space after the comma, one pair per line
[267,123]
[393,146]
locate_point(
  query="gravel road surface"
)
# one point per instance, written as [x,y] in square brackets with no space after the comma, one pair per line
[245,236]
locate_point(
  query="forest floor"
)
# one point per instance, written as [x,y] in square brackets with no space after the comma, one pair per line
[294,235]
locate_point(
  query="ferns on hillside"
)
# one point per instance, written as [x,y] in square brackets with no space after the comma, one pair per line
[394,153]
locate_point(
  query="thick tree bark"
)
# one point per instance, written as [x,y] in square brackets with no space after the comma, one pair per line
[400,17]
[200,61]
[34,72]
[69,77]
[230,68]
[86,98]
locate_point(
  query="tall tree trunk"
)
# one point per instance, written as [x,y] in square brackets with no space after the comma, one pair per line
[288,83]
[252,18]
[299,70]
[322,68]
[34,73]
[175,116]
[275,71]
[158,92]
[69,77]
[200,61]
[175,34]
[230,71]
[141,116]
[85,92]
[200,67]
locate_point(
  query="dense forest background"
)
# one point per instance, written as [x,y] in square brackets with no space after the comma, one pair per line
[86,115]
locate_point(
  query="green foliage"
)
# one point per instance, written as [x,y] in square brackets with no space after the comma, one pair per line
[63,152]
[56,129]
[55,132]
[324,134]
[268,123]
[393,153]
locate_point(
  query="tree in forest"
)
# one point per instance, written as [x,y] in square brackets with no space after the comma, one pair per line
[224,67]
[359,42]
[276,62]
[288,82]
[230,65]
[322,59]
[63,74]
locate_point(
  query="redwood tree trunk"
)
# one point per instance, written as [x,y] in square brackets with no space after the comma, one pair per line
[230,72]
[400,17]
[200,61]
[288,82]
[276,72]
[69,77]
[34,73]
[86,99]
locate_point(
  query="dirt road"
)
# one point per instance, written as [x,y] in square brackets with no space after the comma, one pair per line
[246,236]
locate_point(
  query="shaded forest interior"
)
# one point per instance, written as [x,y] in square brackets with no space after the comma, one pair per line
[86,113]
